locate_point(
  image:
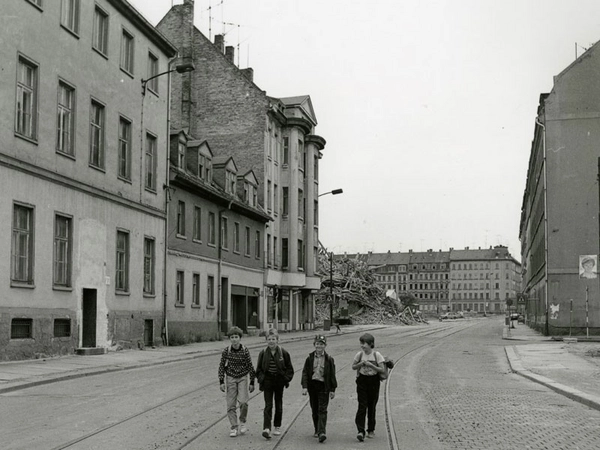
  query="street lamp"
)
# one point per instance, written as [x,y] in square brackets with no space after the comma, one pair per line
[179,68]
[334,192]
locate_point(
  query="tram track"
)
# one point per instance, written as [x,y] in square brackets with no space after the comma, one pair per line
[189,397]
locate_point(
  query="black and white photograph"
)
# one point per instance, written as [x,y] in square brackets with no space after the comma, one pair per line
[287,224]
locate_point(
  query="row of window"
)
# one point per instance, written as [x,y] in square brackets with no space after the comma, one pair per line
[22,253]
[235,242]
[22,328]
[70,20]
[475,295]
[442,266]
[211,235]
[196,288]
[26,125]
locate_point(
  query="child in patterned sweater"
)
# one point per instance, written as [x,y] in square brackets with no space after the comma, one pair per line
[234,370]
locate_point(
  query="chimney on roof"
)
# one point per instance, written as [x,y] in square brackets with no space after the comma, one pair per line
[248,73]
[466,248]
[220,42]
[229,53]
[410,250]
[187,57]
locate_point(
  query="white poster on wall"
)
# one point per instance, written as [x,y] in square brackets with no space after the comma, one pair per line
[588,265]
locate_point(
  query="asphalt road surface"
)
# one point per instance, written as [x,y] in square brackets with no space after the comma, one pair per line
[451,389]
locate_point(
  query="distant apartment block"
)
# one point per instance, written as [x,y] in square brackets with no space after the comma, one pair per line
[473,280]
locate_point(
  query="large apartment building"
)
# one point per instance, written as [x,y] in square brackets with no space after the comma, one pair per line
[272,138]
[559,216]
[81,172]
[473,280]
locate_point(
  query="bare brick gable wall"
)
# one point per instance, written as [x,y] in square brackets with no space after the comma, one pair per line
[227,109]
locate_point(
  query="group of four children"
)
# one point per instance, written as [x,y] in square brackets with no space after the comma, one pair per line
[274,372]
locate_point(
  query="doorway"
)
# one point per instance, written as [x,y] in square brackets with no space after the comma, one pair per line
[88,316]
[148,332]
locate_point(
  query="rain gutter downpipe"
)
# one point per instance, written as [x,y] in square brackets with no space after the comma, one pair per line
[545,177]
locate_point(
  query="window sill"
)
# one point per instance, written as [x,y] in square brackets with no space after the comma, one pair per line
[36,5]
[123,293]
[104,55]
[210,306]
[62,288]
[68,30]
[22,284]
[151,190]
[127,72]
[148,295]
[212,245]
[124,180]
[196,307]
[26,138]
[197,241]
[181,236]
[179,305]
[98,168]
[66,155]
[153,91]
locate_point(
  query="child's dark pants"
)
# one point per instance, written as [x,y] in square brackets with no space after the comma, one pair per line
[319,401]
[273,387]
[367,388]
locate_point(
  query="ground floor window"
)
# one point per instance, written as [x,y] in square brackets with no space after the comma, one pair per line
[21,329]
[62,328]
[278,304]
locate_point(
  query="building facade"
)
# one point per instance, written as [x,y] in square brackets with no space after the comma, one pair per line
[274,139]
[81,174]
[471,280]
[559,215]
[215,260]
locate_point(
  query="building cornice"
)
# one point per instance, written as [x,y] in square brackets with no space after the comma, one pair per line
[56,178]
[304,124]
[318,141]
[206,190]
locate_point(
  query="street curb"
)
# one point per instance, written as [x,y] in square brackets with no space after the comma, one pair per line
[166,360]
[516,366]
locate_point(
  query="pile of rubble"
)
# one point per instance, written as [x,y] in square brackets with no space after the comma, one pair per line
[351,281]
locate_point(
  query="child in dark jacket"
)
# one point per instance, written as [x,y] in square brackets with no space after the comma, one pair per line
[319,381]
[274,371]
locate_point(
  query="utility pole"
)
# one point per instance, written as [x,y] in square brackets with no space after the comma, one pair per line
[331,289]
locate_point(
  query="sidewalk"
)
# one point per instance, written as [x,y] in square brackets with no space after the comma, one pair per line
[16,375]
[565,367]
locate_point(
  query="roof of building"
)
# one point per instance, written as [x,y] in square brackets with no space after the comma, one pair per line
[145,26]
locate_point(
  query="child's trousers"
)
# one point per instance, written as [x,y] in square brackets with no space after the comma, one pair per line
[237,391]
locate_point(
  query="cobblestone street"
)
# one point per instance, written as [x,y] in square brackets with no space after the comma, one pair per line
[477,403]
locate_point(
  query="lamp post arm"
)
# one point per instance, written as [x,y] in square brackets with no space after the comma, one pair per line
[145,82]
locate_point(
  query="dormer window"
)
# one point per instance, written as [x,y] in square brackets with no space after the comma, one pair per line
[230,179]
[204,167]
[250,194]
[181,156]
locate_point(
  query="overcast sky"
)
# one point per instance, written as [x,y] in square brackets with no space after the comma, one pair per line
[427,106]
